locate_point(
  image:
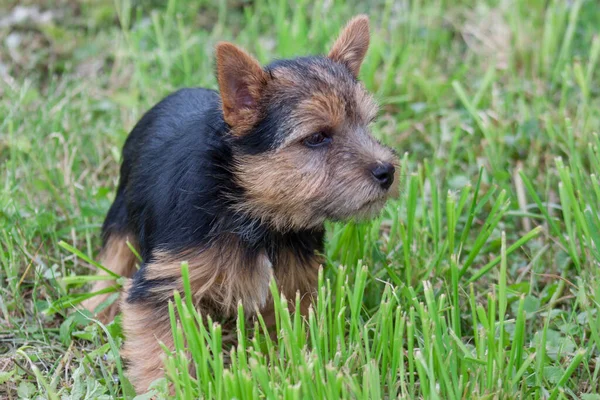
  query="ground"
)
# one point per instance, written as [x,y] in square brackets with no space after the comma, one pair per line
[481,281]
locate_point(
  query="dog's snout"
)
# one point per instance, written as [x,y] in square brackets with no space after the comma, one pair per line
[383,173]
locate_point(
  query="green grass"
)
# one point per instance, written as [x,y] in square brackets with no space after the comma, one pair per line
[481,281]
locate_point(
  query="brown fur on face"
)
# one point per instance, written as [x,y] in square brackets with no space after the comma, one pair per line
[117,257]
[292,186]
[295,187]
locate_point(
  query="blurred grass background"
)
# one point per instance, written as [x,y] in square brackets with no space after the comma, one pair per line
[482,280]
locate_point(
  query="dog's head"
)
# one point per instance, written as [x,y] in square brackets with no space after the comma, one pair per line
[303,151]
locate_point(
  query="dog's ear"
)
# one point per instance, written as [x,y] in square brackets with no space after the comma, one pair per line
[352,44]
[241,83]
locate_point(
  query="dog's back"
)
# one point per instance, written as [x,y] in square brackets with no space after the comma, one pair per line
[171,163]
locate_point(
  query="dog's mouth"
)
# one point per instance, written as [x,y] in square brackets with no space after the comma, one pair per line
[371,202]
[368,209]
[371,207]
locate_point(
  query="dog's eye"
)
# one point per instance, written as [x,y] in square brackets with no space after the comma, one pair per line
[317,139]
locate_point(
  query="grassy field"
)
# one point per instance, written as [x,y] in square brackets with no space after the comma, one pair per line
[482,281]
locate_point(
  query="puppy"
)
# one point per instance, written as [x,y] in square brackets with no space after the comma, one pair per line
[238,184]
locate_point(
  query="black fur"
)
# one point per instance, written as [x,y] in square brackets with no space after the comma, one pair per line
[176,189]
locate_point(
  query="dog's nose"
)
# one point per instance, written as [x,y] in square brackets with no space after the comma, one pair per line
[384,174]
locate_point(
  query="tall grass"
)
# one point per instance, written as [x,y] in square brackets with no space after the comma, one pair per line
[480,281]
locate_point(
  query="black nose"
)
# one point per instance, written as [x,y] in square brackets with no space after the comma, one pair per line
[384,174]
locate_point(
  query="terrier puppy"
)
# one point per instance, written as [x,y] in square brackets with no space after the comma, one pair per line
[238,184]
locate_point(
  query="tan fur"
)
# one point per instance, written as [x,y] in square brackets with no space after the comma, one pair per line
[351,46]
[293,275]
[297,188]
[220,276]
[241,84]
[329,112]
[117,257]
[321,110]
[145,327]
[366,106]
[293,187]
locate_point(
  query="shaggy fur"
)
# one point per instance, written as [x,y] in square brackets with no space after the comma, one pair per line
[238,184]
